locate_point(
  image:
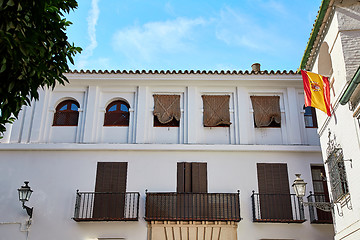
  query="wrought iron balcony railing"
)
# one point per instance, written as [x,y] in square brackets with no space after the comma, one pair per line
[277,208]
[192,207]
[98,206]
[316,215]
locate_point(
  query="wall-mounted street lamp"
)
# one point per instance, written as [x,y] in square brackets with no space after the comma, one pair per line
[300,189]
[24,196]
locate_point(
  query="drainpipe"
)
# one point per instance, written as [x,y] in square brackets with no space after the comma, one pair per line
[350,88]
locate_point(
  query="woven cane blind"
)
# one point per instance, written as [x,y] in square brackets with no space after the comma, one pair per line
[216,110]
[266,110]
[167,107]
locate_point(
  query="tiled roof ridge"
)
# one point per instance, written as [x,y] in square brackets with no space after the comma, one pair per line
[219,72]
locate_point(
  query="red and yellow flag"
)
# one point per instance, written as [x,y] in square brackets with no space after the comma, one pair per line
[317,91]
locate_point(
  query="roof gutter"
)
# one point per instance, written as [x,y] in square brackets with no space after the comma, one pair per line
[319,20]
[350,88]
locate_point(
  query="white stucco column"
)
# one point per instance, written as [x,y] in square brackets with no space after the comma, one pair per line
[27,122]
[38,117]
[7,133]
[292,113]
[192,108]
[142,110]
[244,115]
[89,127]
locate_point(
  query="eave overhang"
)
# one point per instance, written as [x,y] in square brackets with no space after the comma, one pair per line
[314,39]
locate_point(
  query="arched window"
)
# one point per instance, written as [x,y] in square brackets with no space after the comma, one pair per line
[117,114]
[67,113]
[310,117]
[325,64]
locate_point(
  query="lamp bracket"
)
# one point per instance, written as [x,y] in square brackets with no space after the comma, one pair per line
[28,210]
[324,206]
[348,160]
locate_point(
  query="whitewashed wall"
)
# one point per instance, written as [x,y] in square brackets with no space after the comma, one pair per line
[343,39]
[95,91]
[55,172]
[59,160]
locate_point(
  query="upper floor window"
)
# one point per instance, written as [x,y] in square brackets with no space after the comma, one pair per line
[216,110]
[310,117]
[167,111]
[67,113]
[274,193]
[192,177]
[110,188]
[336,168]
[266,111]
[117,114]
[337,173]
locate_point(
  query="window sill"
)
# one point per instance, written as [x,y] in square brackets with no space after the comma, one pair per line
[156,147]
[279,221]
[104,219]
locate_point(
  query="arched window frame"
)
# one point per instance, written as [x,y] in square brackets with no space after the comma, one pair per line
[117,117]
[68,116]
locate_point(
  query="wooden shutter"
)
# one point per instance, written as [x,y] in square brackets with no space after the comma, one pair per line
[199,177]
[273,183]
[66,114]
[192,177]
[117,114]
[110,190]
[111,177]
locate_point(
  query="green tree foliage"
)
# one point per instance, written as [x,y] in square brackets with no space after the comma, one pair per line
[34,51]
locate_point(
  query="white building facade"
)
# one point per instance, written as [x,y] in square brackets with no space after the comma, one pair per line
[334,50]
[161,155]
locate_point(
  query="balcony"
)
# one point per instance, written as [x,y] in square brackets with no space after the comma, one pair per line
[318,216]
[97,206]
[283,208]
[192,207]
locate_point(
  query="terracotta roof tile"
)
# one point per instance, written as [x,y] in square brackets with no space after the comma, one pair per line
[207,72]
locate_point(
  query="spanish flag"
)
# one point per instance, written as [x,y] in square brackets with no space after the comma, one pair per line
[317,91]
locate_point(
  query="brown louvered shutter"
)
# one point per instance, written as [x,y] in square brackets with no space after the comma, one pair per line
[67,113]
[192,177]
[266,110]
[273,183]
[183,177]
[117,114]
[110,190]
[199,178]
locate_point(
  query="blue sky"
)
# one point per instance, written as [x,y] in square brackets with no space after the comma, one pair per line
[191,34]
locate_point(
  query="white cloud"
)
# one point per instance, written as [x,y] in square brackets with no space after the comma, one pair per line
[92,22]
[169,8]
[98,63]
[146,42]
[238,29]
[275,7]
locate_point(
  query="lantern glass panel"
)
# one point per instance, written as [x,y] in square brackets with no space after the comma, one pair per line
[299,186]
[300,189]
[24,193]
